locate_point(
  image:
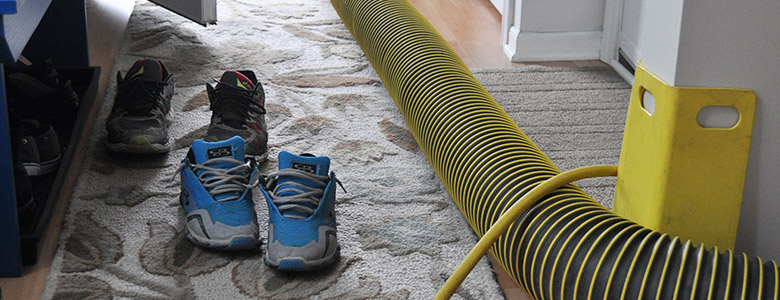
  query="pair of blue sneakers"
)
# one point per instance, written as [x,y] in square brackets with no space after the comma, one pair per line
[216,193]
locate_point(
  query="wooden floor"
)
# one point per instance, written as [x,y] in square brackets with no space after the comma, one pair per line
[472,27]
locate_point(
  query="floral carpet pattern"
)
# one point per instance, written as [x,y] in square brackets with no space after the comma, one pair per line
[400,233]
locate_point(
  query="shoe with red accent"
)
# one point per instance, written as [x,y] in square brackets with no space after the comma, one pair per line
[238,108]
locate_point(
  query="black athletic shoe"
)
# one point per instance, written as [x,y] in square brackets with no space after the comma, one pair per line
[43,99]
[142,112]
[238,108]
[44,72]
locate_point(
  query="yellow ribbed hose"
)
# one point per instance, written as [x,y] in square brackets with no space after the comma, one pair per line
[565,246]
[511,215]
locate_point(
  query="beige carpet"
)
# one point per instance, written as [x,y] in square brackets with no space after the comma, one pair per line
[401,235]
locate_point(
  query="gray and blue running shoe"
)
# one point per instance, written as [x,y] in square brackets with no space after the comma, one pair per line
[216,193]
[142,112]
[301,200]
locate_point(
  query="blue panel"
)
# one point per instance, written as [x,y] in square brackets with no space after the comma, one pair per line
[10,249]
[59,33]
[7,7]
[18,28]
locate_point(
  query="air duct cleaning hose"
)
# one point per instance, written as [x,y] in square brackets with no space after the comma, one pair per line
[509,217]
[565,246]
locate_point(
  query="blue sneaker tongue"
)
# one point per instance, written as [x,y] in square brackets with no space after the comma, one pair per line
[317,165]
[232,147]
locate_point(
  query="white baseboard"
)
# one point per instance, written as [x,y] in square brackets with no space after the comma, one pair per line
[553,46]
[511,45]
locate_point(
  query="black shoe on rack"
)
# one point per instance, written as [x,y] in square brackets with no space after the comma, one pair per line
[44,72]
[238,108]
[25,202]
[142,112]
[39,149]
[32,98]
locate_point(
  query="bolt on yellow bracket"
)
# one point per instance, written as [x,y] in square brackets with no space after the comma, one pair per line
[681,172]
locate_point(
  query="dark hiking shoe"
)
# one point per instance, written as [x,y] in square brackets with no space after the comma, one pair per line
[142,112]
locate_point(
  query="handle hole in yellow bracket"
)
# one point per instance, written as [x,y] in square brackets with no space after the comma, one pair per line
[648,102]
[718,117]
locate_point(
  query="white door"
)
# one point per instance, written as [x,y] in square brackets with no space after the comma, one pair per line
[611,37]
[628,35]
[619,43]
[201,11]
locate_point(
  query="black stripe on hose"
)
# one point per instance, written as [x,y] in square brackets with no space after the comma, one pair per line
[565,246]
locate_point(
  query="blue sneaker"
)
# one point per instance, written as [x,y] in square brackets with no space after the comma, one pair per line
[301,199]
[216,193]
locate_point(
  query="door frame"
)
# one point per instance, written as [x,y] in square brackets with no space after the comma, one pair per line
[613,16]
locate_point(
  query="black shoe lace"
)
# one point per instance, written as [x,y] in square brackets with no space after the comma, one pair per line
[231,112]
[140,97]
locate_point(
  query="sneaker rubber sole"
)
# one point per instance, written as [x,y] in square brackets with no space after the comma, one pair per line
[139,144]
[299,264]
[239,242]
[43,168]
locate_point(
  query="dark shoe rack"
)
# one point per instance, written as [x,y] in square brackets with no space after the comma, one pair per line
[47,188]
[37,30]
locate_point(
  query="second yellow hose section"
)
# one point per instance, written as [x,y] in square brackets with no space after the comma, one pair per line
[511,215]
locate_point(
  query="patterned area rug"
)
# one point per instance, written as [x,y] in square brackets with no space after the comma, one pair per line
[400,233]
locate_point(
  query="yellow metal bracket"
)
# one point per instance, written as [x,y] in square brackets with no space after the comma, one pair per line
[676,175]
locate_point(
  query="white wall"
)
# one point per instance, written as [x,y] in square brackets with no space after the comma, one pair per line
[737,44]
[554,30]
[562,15]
